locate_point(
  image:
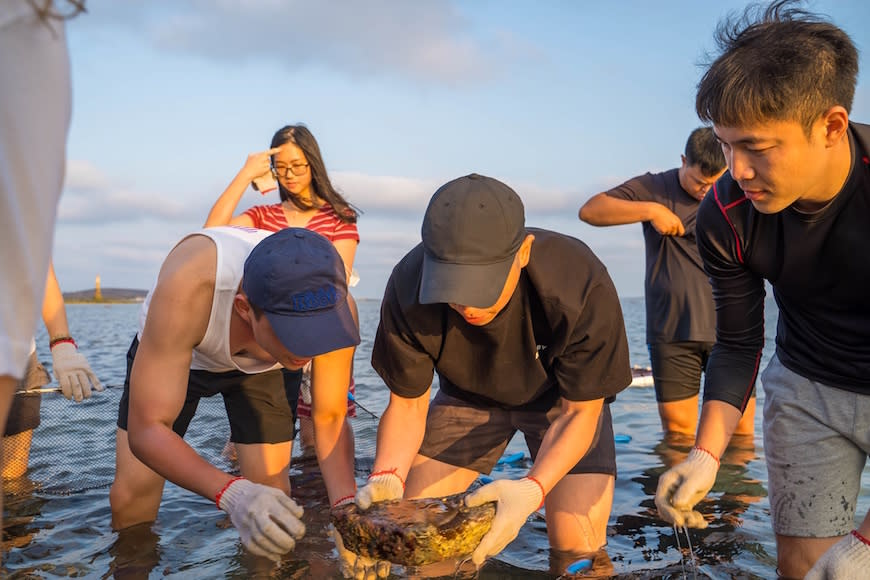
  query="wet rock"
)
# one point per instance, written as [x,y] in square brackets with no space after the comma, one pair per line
[414,532]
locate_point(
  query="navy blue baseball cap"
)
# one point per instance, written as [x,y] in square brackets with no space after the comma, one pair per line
[296,277]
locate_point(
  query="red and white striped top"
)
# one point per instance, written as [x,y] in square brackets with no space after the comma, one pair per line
[325,222]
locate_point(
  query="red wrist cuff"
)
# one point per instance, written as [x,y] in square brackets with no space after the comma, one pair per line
[708,452]
[61,339]
[858,535]
[389,472]
[343,500]
[543,493]
[217,498]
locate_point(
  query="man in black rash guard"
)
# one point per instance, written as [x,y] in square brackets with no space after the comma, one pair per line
[794,209]
[525,331]
[680,315]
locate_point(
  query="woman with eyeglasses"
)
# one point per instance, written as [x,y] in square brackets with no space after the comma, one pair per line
[295,166]
[308,199]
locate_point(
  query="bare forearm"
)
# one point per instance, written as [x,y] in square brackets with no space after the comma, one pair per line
[53,310]
[222,211]
[162,450]
[567,440]
[717,424]
[603,210]
[334,446]
[400,434]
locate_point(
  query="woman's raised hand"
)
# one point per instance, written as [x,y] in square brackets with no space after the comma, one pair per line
[258,164]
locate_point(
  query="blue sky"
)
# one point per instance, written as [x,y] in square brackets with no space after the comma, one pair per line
[559,99]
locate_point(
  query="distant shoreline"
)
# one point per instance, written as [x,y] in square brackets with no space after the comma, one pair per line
[128,296]
[104,301]
[107,296]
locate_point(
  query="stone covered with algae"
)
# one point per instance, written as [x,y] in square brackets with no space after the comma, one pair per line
[414,532]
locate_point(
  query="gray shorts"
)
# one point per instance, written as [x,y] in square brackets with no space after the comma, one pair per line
[816,439]
[474,437]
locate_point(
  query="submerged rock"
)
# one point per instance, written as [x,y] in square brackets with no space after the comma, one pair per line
[414,532]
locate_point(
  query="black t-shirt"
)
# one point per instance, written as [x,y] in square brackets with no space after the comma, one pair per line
[679,299]
[820,273]
[561,334]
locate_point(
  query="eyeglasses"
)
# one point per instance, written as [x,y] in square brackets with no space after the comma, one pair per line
[286,170]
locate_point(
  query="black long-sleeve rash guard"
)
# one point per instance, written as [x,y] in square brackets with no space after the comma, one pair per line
[819,267]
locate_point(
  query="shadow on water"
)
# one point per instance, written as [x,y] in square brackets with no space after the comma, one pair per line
[57,519]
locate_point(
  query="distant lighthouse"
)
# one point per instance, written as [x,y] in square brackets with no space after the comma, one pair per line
[98,294]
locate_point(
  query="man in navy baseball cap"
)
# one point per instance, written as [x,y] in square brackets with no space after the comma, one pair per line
[230,308]
[298,280]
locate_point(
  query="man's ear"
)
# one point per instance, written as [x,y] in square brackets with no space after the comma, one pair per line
[525,251]
[836,123]
[242,307]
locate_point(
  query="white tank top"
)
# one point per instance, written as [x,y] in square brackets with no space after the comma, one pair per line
[213,353]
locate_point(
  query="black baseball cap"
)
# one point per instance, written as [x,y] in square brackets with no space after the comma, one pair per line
[471,232]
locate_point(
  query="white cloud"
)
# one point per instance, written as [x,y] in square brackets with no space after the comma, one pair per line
[84,176]
[386,193]
[428,41]
[124,233]
[91,196]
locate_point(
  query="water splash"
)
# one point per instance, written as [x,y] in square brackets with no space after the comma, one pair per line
[692,559]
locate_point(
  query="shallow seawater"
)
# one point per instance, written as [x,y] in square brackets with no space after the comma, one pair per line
[57,519]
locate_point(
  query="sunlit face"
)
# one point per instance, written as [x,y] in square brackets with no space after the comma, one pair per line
[483,316]
[289,157]
[777,165]
[266,339]
[693,180]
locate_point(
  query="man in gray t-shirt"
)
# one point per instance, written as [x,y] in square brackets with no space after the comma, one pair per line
[680,316]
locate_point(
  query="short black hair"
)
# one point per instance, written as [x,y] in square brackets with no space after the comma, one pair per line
[704,151]
[778,63]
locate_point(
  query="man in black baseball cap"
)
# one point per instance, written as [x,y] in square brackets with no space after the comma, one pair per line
[472,231]
[525,331]
[230,308]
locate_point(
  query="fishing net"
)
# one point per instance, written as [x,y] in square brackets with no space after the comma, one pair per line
[73,448]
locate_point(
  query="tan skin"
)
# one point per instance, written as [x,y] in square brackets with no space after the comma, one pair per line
[779,166]
[150,452]
[577,506]
[603,210]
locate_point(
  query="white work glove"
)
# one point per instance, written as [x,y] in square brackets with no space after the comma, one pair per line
[266,518]
[356,566]
[847,559]
[516,500]
[73,372]
[381,486]
[683,486]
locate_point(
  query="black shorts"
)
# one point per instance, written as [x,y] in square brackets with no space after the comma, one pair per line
[257,405]
[677,368]
[474,437]
[24,412]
